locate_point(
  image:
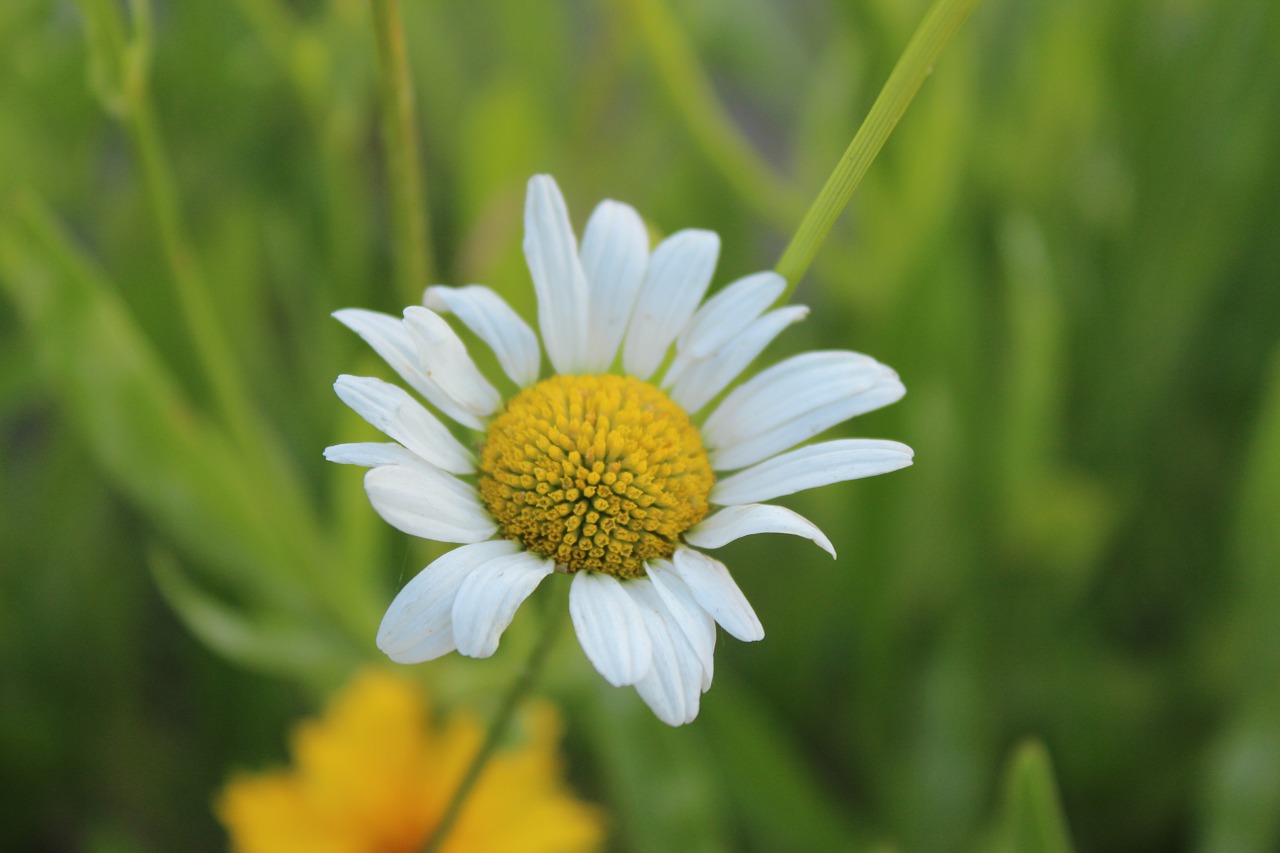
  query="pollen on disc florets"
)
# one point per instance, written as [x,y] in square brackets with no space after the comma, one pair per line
[596,472]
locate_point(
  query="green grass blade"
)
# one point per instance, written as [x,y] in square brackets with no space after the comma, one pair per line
[1032,819]
[916,63]
[148,437]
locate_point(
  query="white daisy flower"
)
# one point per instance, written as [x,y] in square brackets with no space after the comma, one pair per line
[600,470]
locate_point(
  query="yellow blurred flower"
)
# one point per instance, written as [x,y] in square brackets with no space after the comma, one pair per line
[374,776]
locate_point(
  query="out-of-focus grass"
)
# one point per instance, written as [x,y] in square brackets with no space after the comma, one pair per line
[1067,250]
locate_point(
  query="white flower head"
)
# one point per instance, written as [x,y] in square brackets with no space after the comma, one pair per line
[601,470]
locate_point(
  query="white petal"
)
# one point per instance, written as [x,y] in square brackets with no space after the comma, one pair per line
[806,425]
[685,612]
[812,466]
[702,381]
[722,318]
[488,599]
[424,501]
[615,254]
[716,592]
[677,369]
[390,338]
[773,395]
[672,686]
[734,522]
[418,626]
[446,362]
[391,409]
[370,454]
[725,315]
[609,627]
[494,322]
[793,387]
[561,286]
[680,269]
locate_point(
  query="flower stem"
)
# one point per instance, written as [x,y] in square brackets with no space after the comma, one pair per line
[553,617]
[400,140]
[935,31]
[120,63]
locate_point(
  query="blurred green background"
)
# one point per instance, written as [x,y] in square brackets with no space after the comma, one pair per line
[1070,250]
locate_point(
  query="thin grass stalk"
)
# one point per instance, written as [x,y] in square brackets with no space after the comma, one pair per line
[400,141]
[916,63]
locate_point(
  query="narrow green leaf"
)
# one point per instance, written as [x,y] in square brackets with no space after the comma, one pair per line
[777,800]
[916,63]
[107,42]
[1053,513]
[1032,819]
[661,786]
[1255,546]
[412,242]
[127,46]
[1240,790]
[708,121]
[276,645]
[142,430]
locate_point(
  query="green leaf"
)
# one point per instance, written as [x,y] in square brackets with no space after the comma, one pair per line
[916,63]
[1054,514]
[1240,790]
[661,786]
[1032,819]
[775,797]
[1255,546]
[269,644]
[141,428]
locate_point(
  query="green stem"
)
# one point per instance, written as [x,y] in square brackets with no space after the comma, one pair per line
[711,126]
[553,617]
[122,77]
[916,63]
[192,288]
[400,140]
[279,32]
[335,122]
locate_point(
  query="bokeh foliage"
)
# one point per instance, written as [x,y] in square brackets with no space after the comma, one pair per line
[1068,250]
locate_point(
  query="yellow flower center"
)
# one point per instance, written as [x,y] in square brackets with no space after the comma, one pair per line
[596,472]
